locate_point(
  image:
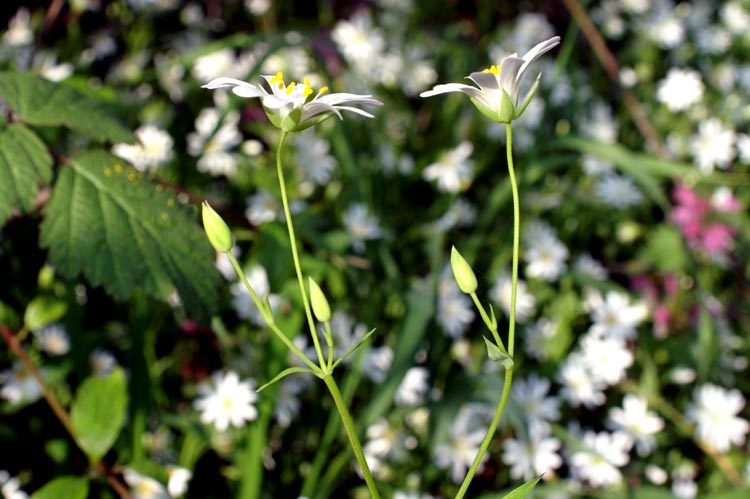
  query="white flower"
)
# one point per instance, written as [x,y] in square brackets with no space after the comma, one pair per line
[606,359]
[536,338]
[460,213]
[501,295]
[579,387]
[18,385]
[460,452]
[358,40]
[154,148]
[534,456]
[213,140]
[453,170]
[222,62]
[635,419]
[262,207]
[144,487]
[19,31]
[531,396]
[614,316]
[53,339]
[227,401]
[600,124]
[588,266]
[545,254]
[655,474]
[413,387]
[455,310]
[102,362]
[600,462]
[714,411]
[291,107]
[242,301]
[713,145]
[680,89]
[617,191]
[10,487]
[497,95]
[361,226]
[316,163]
[684,488]
[178,480]
[377,362]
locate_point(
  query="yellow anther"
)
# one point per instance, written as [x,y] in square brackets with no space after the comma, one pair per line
[290,87]
[495,70]
[278,78]
[308,89]
[323,90]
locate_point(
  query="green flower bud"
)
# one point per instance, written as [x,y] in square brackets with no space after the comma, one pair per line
[319,302]
[216,229]
[462,272]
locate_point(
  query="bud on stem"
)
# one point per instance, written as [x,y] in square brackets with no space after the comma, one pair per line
[216,229]
[462,272]
[319,302]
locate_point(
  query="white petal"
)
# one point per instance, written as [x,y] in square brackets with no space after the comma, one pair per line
[452,87]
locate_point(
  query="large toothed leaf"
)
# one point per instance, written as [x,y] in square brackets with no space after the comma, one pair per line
[40,102]
[24,165]
[122,231]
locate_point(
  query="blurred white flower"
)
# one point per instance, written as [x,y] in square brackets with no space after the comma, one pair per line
[537,455]
[154,148]
[242,301]
[262,207]
[144,487]
[455,311]
[177,485]
[223,62]
[257,7]
[361,225]
[599,123]
[460,213]
[680,89]
[545,254]
[578,386]
[53,339]
[606,359]
[614,316]
[586,264]
[531,396]
[288,404]
[316,165]
[635,419]
[213,139]
[377,362]
[19,30]
[684,488]
[599,464]
[536,338]
[358,40]
[413,388]
[714,410]
[500,293]
[663,26]
[10,487]
[655,474]
[102,362]
[459,453]
[593,165]
[617,191]
[453,170]
[713,145]
[227,401]
[19,386]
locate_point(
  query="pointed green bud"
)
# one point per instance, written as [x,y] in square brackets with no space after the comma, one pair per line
[216,229]
[319,302]
[462,272]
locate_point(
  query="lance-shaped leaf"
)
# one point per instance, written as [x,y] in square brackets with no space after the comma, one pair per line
[41,102]
[283,374]
[497,355]
[123,232]
[523,490]
[24,165]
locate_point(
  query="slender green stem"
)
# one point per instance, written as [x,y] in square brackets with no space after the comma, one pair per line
[351,432]
[488,436]
[295,255]
[512,320]
[278,332]
[516,238]
[487,321]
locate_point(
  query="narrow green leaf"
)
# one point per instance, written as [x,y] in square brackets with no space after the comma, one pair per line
[521,491]
[354,348]
[98,413]
[69,487]
[24,165]
[124,232]
[41,102]
[283,374]
[497,355]
[43,310]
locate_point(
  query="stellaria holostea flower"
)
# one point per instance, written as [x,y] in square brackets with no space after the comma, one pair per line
[293,107]
[497,95]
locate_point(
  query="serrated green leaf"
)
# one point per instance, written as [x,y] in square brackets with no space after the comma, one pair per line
[497,355]
[24,165]
[283,374]
[123,232]
[69,487]
[43,310]
[521,491]
[98,413]
[41,102]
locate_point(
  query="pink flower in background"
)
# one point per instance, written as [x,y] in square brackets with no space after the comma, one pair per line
[658,292]
[693,216]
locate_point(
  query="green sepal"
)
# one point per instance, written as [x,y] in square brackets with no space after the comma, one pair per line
[522,490]
[528,97]
[507,111]
[493,319]
[283,374]
[265,310]
[354,348]
[496,354]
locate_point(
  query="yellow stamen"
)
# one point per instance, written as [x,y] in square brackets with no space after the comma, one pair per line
[308,89]
[278,78]
[290,88]
[495,70]
[322,90]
